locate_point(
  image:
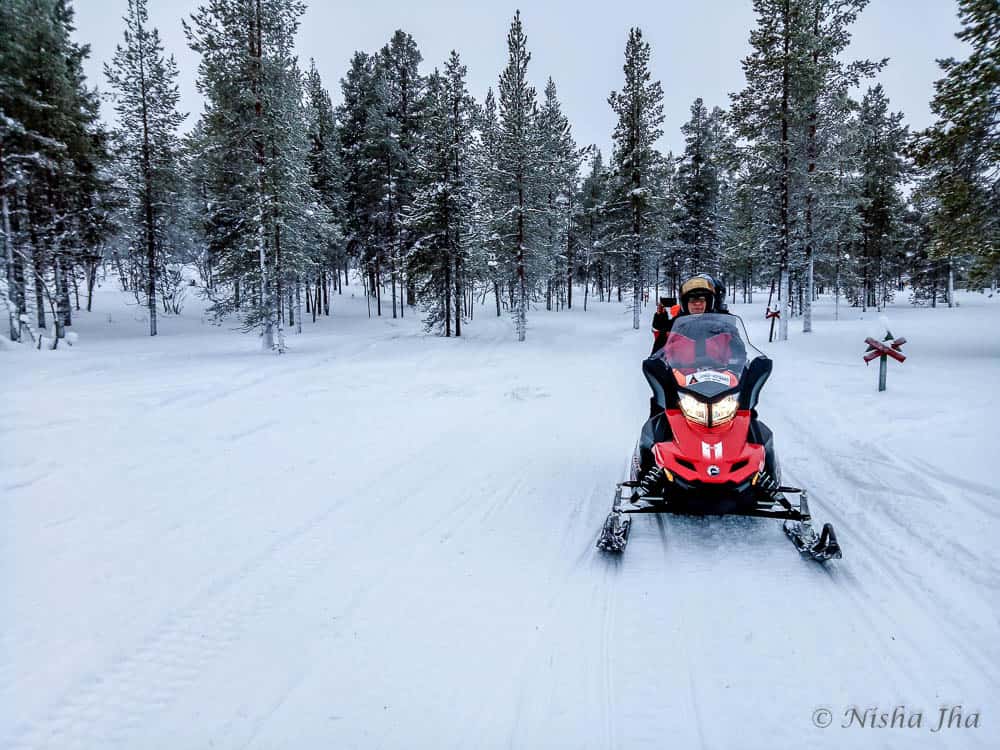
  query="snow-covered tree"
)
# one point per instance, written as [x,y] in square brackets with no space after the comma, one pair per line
[147,147]
[558,174]
[639,108]
[262,204]
[395,128]
[54,189]
[326,177]
[883,169]
[794,71]
[489,207]
[961,151]
[515,179]
[592,229]
[439,219]
[699,184]
[360,184]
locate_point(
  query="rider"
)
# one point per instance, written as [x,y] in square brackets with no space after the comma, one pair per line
[724,345]
[699,294]
[666,311]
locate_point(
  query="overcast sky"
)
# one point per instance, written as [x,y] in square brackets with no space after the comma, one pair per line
[696,47]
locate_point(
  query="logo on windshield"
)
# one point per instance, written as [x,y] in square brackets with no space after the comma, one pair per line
[708,376]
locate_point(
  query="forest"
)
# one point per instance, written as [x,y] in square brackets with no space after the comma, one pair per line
[441,206]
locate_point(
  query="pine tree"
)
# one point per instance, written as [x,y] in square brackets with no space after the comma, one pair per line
[145,84]
[54,188]
[699,185]
[744,232]
[361,168]
[489,208]
[558,173]
[793,72]
[882,173]
[442,209]
[639,107]
[395,137]
[961,151]
[592,227]
[326,177]
[767,119]
[254,120]
[821,88]
[515,178]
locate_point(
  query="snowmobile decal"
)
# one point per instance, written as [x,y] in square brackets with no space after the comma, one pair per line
[711,376]
[711,451]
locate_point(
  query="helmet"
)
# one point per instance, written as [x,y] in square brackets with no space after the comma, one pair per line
[701,285]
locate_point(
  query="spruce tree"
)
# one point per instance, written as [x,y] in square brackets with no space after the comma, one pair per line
[395,130]
[793,71]
[326,177]
[883,169]
[699,185]
[592,226]
[515,177]
[489,207]
[639,107]
[558,173]
[961,151]
[146,95]
[361,168]
[440,216]
[766,117]
[54,188]
[261,195]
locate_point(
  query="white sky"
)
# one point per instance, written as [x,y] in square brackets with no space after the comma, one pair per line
[696,47]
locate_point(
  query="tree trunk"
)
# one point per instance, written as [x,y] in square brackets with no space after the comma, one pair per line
[76,289]
[38,273]
[459,297]
[298,304]
[785,187]
[520,320]
[392,282]
[91,282]
[61,312]
[785,284]
[951,283]
[14,293]
[266,303]
[147,195]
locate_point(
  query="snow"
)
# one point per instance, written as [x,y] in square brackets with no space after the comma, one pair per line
[386,539]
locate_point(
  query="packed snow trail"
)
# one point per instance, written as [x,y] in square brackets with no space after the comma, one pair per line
[383,539]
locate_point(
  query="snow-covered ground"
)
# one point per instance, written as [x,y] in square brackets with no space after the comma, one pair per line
[386,540]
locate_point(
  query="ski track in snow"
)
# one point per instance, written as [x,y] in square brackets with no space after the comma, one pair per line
[179,648]
[387,540]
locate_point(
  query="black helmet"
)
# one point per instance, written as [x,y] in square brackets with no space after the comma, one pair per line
[701,285]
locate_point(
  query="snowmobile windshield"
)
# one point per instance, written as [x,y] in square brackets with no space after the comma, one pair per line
[708,351]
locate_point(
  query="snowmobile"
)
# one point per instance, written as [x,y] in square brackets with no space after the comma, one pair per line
[703,451]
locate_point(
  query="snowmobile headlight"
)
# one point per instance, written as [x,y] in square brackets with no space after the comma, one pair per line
[693,409]
[724,409]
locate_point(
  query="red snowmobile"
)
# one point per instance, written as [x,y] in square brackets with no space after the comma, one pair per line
[704,452]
